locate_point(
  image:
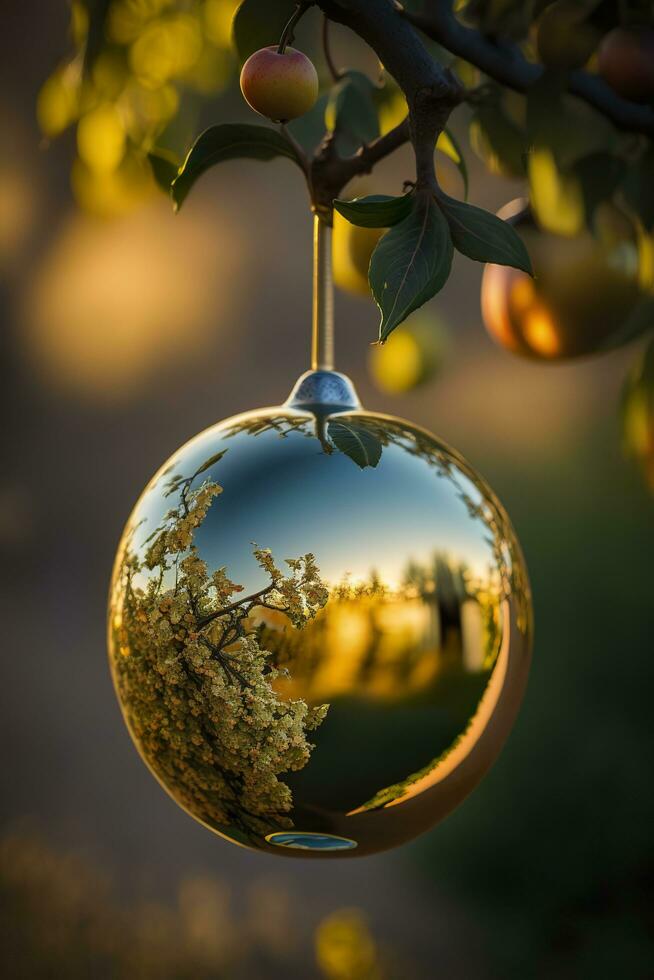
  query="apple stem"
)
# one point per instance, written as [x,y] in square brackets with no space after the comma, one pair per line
[322,335]
[287,34]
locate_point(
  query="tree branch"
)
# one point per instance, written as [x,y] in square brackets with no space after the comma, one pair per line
[431,92]
[506,64]
[398,45]
[330,173]
[205,620]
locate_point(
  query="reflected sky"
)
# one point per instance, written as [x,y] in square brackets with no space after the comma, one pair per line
[289,495]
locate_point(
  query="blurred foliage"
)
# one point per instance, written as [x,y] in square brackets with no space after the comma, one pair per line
[638,414]
[413,356]
[136,66]
[63,916]
[111,306]
[345,949]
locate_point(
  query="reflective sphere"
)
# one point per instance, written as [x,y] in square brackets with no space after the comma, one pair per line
[582,293]
[319,626]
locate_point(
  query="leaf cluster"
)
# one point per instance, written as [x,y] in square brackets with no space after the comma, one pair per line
[412,261]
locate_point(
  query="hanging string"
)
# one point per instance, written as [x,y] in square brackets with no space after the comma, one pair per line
[322,341]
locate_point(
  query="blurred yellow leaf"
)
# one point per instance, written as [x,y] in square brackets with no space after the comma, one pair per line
[392,111]
[411,356]
[218,17]
[645,260]
[166,48]
[56,104]
[555,198]
[445,145]
[345,949]
[101,138]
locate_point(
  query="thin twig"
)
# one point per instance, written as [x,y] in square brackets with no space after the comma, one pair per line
[205,620]
[333,70]
[302,157]
[288,35]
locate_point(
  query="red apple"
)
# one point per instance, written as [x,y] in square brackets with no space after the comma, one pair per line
[626,62]
[279,86]
[581,294]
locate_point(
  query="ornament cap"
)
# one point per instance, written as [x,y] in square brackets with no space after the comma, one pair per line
[316,390]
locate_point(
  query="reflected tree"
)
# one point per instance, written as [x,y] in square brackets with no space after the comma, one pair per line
[197,686]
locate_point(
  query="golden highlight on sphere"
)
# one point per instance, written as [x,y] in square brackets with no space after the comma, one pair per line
[319,630]
[581,295]
[279,86]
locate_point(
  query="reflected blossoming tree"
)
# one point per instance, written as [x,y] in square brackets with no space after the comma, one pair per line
[196,685]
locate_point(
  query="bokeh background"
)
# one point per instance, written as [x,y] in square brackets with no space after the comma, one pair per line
[125,330]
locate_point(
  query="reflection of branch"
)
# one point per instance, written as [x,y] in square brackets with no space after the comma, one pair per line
[205,620]
[268,605]
[223,659]
[333,70]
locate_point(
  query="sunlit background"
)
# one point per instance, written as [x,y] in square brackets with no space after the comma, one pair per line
[127,329]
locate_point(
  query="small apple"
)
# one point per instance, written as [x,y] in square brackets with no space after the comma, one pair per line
[582,292]
[626,61]
[279,86]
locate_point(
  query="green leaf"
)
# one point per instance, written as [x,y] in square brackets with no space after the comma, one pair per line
[351,112]
[165,167]
[375,211]
[447,144]
[226,142]
[356,441]
[410,263]
[258,24]
[483,236]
